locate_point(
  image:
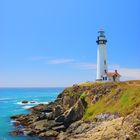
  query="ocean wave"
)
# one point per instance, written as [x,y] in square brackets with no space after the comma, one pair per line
[13,121]
[5,99]
[27,107]
[43,102]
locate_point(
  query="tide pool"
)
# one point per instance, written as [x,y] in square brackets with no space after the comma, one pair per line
[10,104]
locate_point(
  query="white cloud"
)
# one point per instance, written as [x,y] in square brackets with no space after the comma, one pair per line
[130,73]
[53,61]
[60,61]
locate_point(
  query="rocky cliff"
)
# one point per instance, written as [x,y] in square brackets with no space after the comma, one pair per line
[88,111]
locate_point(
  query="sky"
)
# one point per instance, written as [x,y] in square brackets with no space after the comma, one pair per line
[52,43]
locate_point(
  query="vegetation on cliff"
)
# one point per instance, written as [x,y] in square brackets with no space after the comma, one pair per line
[123,99]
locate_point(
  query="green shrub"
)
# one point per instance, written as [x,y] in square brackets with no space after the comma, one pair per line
[83,96]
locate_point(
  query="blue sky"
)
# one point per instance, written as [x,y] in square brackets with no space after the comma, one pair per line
[52,42]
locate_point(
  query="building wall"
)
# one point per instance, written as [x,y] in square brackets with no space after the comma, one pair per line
[111,79]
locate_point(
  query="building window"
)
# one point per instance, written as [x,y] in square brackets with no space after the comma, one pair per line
[104,78]
[105,62]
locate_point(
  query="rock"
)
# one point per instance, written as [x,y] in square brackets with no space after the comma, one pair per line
[50,116]
[58,111]
[40,125]
[47,110]
[29,132]
[37,108]
[44,125]
[15,117]
[59,128]
[106,116]
[82,128]
[50,133]
[73,126]
[75,113]
[16,123]
[25,102]
[16,133]
[60,118]
[127,137]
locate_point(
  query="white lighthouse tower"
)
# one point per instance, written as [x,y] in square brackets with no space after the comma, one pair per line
[101,57]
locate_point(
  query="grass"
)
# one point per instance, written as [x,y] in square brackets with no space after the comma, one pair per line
[123,102]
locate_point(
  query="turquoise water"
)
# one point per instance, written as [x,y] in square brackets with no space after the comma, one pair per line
[10,104]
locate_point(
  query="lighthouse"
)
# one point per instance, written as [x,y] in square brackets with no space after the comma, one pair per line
[102,68]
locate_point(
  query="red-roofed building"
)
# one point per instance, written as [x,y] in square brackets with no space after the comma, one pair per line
[112,76]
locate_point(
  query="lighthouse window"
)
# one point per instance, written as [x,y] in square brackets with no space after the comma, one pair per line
[101,42]
[105,62]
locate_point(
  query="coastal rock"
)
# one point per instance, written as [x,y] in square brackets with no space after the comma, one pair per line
[50,133]
[79,127]
[75,113]
[16,116]
[25,102]
[16,133]
[44,125]
[59,128]
[50,116]
[39,107]
[73,126]
[60,118]
[58,111]
[106,116]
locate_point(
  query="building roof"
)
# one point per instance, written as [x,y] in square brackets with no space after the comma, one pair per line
[111,74]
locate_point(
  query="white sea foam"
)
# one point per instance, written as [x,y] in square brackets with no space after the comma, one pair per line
[13,121]
[27,107]
[43,102]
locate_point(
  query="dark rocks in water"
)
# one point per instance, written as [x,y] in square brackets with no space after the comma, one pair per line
[15,117]
[25,102]
[16,133]
[28,132]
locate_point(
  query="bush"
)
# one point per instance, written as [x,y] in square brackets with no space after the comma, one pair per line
[83,96]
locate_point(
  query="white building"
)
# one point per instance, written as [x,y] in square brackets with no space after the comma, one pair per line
[102,68]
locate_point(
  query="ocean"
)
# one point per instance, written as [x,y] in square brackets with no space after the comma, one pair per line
[10,104]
